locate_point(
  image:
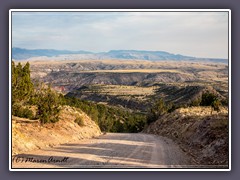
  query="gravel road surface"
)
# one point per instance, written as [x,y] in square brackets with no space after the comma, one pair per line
[112,150]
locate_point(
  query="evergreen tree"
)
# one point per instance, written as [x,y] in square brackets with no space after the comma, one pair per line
[22,86]
[207,99]
[26,81]
[158,109]
[210,99]
[47,105]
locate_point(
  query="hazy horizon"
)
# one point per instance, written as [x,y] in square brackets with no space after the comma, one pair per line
[114,50]
[197,34]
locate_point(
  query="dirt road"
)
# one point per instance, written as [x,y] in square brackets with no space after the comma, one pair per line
[113,150]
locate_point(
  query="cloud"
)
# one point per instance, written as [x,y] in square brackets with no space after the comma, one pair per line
[201,34]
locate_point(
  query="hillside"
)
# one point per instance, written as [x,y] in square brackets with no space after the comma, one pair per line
[188,93]
[137,98]
[29,135]
[201,133]
[134,98]
[73,75]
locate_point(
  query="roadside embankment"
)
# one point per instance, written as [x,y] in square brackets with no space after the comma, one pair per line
[30,135]
[201,133]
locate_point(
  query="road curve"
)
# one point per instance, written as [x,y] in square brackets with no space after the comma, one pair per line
[113,150]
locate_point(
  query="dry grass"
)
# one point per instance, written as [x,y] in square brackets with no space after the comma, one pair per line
[169,63]
[200,111]
[122,90]
[134,71]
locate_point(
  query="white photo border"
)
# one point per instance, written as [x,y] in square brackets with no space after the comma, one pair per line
[117,10]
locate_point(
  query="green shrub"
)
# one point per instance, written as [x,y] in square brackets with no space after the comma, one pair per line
[79,120]
[24,92]
[207,99]
[210,99]
[22,86]
[224,102]
[216,105]
[196,102]
[47,102]
[172,107]
[23,112]
[109,119]
[158,109]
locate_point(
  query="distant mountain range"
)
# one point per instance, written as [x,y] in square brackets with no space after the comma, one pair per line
[23,54]
[45,54]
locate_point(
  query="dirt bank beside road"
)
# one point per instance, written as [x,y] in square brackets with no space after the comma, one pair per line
[28,135]
[201,133]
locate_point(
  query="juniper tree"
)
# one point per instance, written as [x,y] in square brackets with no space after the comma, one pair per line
[22,86]
[47,105]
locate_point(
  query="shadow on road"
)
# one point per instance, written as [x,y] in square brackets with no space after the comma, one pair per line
[106,151]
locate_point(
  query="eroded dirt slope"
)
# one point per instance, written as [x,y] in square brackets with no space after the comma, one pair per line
[201,134]
[29,135]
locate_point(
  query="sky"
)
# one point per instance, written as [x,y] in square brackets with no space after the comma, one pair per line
[198,34]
